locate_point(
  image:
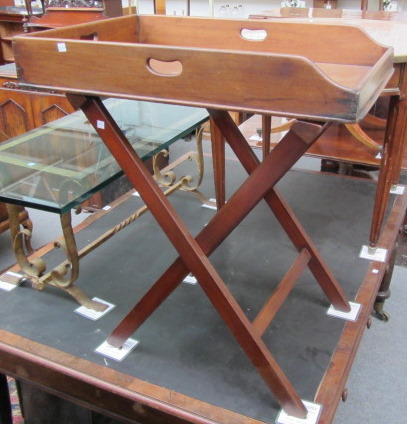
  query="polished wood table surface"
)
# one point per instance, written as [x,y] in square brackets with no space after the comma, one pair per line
[248,66]
[387,28]
[390,30]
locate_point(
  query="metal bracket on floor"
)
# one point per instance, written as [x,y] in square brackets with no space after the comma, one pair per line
[10,280]
[93,314]
[373,253]
[210,204]
[313,413]
[397,189]
[117,353]
[352,315]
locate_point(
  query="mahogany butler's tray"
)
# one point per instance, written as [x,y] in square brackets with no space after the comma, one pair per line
[314,72]
[328,72]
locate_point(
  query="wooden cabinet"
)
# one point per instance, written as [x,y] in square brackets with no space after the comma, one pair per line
[56,17]
[11,24]
[16,20]
[22,110]
[46,108]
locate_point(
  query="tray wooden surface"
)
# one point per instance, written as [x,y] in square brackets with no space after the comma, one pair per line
[387,28]
[281,68]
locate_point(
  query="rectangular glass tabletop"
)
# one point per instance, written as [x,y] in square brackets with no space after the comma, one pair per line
[61,164]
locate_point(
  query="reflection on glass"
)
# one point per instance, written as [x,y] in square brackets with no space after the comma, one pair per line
[58,166]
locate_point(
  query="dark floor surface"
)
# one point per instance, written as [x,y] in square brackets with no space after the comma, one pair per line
[377,386]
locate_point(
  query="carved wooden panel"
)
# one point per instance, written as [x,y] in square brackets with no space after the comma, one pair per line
[47,108]
[15,114]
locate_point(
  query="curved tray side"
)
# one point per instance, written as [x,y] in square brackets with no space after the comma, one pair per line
[231,80]
[319,42]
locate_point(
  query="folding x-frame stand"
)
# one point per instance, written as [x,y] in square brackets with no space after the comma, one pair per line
[194,252]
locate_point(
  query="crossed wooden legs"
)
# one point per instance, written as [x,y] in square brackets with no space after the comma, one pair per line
[194,252]
[281,210]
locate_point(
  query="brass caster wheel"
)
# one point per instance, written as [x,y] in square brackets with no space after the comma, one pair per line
[382,316]
[369,323]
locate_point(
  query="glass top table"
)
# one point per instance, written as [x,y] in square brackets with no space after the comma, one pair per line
[58,166]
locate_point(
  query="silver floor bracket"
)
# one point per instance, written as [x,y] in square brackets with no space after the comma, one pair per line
[91,313]
[373,254]
[314,411]
[117,353]
[397,189]
[352,315]
[10,280]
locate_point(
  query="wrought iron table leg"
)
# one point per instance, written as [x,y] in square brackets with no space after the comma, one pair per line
[63,276]
[167,178]
[66,273]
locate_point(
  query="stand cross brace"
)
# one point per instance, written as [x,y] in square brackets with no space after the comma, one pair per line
[194,252]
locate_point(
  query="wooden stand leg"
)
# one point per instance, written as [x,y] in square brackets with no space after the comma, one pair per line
[218,159]
[384,290]
[401,137]
[281,210]
[190,251]
[387,168]
[174,275]
[193,252]
[360,135]
[266,133]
